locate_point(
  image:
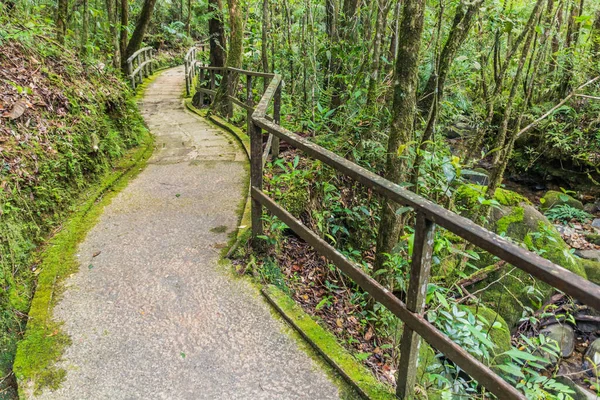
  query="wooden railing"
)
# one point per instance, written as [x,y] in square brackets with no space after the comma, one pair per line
[189,62]
[139,65]
[428,215]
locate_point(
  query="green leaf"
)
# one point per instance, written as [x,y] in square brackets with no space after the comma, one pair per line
[512,369]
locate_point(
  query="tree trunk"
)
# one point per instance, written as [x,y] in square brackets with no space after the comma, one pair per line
[402,124]
[463,20]
[499,145]
[188,23]
[595,35]
[347,32]
[222,104]
[140,28]
[111,12]
[393,51]
[85,25]
[61,20]
[124,34]
[383,8]
[216,31]
[573,29]
[265,35]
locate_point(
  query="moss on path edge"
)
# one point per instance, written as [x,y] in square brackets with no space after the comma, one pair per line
[44,342]
[327,346]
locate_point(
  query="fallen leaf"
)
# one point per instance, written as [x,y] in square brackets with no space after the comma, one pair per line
[369,334]
[96,254]
[18,109]
[339,323]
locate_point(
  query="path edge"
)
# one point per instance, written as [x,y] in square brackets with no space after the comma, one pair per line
[326,344]
[242,232]
[44,342]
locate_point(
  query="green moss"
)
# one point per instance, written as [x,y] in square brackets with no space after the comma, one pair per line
[514,217]
[553,198]
[326,344]
[219,229]
[44,342]
[592,269]
[468,196]
[593,238]
[499,335]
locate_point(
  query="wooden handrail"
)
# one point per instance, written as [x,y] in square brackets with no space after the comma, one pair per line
[137,53]
[144,59]
[429,214]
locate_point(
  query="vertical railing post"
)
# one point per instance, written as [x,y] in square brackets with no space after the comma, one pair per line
[151,61]
[130,73]
[187,78]
[249,100]
[143,58]
[256,172]
[277,120]
[229,90]
[199,86]
[140,70]
[212,84]
[415,301]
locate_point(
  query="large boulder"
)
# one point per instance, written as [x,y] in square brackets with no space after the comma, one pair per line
[553,198]
[510,290]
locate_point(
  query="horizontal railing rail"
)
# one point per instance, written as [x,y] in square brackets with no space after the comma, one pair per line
[139,65]
[428,215]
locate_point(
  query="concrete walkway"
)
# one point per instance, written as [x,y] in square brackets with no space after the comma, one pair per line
[154,316]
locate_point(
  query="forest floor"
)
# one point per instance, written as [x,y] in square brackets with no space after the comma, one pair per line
[151,313]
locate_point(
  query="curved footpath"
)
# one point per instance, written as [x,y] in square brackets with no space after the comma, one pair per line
[153,315]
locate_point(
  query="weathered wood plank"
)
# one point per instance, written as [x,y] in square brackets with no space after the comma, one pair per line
[539,267]
[414,321]
[415,302]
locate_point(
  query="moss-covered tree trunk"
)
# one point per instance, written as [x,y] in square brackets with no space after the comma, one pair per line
[595,36]
[216,31]
[346,31]
[85,25]
[140,28]
[61,20]
[572,39]
[123,31]
[383,8]
[402,124]
[113,32]
[222,105]
[463,20]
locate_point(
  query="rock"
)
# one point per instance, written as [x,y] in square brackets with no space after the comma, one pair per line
[593,238]
[478,177]
[564,335]
[564,230]
[518,220]
[591,208]
[592,270]
[553,198]
[581,393]
[458,130]
[500,335]
[591,358]
[588,254]
[596,223]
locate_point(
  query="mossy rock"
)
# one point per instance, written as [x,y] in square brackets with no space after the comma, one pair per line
[553,198]
[499,335]
[592,269]
[468,196]
[593,238]
[512,289]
